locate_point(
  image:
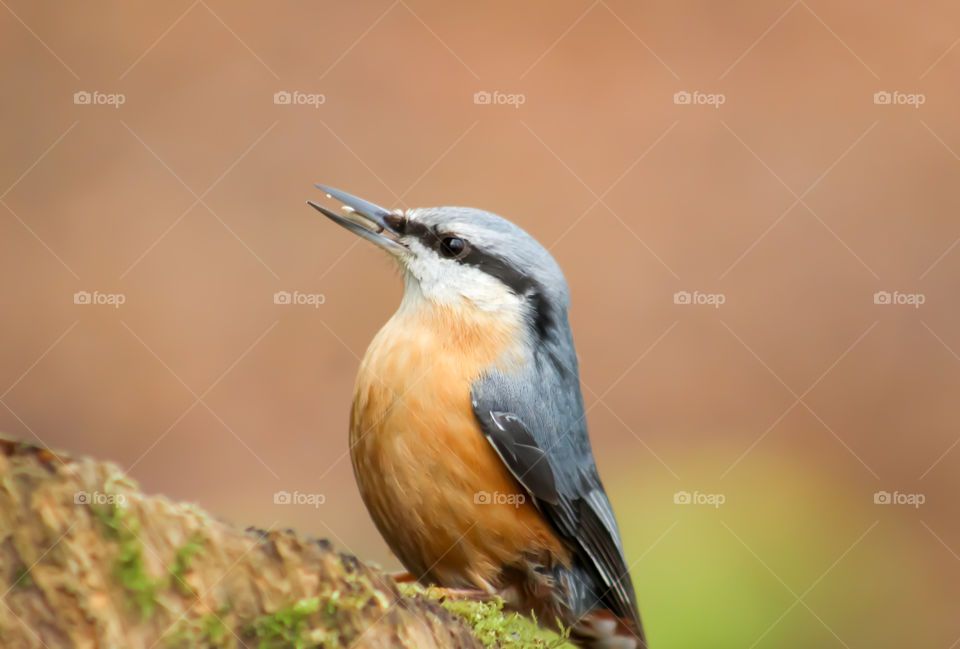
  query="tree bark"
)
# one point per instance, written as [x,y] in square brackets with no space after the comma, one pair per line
[87,561]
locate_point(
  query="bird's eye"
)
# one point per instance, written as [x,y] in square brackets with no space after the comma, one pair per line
[453,247]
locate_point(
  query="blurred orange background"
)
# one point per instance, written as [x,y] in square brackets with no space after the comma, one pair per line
[786,188]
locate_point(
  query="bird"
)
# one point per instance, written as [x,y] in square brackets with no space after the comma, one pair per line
[468,433]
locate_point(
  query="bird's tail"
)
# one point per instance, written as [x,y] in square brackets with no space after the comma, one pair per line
[603,630]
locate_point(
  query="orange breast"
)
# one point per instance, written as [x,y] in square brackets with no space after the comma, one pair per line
[439,494]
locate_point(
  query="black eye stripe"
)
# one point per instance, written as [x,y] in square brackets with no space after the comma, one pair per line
[495,266]
[415,229]
[487,262]
[430,237]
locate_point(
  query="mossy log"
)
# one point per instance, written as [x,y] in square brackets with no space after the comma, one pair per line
[87,561]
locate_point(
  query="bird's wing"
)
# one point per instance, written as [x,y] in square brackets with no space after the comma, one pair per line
[520,452]
[536,423]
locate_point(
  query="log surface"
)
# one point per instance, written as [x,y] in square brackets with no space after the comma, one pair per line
[89,562]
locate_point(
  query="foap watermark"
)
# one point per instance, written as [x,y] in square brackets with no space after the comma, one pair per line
[897,98]
[711,299]
[898,498]
[697,98]
[97,498]
[297,98]
[497,498]
[298,498]
[116,300]
[697,498]
[896,297]
[97,98]
[298,298]
[497,98]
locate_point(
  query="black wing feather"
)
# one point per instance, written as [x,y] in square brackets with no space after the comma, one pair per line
[519,451]
[570,507]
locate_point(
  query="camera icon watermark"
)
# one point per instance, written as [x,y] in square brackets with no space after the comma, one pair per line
[697,498]
[97,498]
[97,98]
[716,300]
[897,98]
[896,297]
[298,298]
[497,498]
[297,98]
[486,98]
[898,498]
[697,98]
[116,300]
[298,498]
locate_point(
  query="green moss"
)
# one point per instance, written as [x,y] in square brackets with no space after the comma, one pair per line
[181,563]
[496,628]
[22,578]
[287,628]
[212,629]
[129,568]
[206,632]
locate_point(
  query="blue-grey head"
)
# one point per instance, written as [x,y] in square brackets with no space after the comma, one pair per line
[464,256]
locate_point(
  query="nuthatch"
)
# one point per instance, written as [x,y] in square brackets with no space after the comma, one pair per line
[468,434]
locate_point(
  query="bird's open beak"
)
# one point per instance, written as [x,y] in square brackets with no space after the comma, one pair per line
[370,221]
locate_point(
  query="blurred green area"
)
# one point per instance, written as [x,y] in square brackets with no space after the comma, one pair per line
[792,558]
